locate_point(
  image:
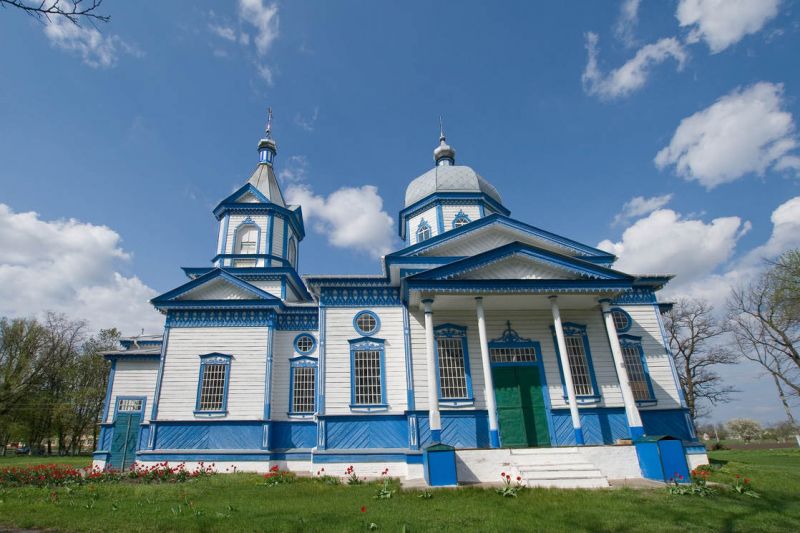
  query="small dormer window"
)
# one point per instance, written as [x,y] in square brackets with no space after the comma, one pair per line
[423,231]
[247,240]
[460,219]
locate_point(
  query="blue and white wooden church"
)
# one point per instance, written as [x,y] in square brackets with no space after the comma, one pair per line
[525,350]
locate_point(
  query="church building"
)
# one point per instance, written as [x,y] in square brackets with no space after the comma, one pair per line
[524,350]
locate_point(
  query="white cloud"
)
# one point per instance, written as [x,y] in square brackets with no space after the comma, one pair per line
[265,73]
[295,169]
[721,23]
[627,21]
[264,18]
[639,206]
[226,32]
[666,241]
[632,75]
[746,131]
[307,123]
[69,266]
[96,50]
[350,217]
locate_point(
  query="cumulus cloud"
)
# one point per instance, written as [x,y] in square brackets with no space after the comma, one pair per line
[350,217]
[264,18]
[746,131]
[96,50]
[721,23]
[307,123]
[688,248]
[70,267]
[627,21]
[639,206]
[632,75]
[226,32]
[295,170]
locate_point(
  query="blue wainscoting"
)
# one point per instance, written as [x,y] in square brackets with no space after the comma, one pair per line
[144,434]
[368,431]
[600,426]
[104,438]
[293,435]
[461,429]
[674,422]
[208,435]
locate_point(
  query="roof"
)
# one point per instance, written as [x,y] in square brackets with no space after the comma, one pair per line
[149,351]
[264,180]
[449,178]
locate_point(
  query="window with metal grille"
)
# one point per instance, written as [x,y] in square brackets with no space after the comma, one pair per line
[578,365]
[621,320]
[366,322]
[522,354]
[367,377]
[126,405]
[212,388]
[452,373]
[303,389]
[637,377]
[304,343]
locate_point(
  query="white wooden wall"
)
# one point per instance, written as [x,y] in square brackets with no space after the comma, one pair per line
[282,351]
[430,217]
[449,212]
[272,287]
[133,378]
[277,239]
[339,329]
[247,345]
[260,220]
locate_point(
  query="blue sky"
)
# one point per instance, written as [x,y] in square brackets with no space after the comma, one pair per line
[122,141]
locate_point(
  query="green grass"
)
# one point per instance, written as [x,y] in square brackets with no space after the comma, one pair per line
[242,502]
[23,460]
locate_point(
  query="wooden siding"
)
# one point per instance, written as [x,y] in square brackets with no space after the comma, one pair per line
[282,351]
[277,239]
[449,212]
[518,268]
[272,287]
[489,239]
[134,378]
[220,289]
[430,217]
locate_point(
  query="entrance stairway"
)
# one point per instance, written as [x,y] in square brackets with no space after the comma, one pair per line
[556,467]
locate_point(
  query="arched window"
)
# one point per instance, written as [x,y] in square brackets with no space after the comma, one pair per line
[423,231]
[460,219]
[291,254]
[246,243]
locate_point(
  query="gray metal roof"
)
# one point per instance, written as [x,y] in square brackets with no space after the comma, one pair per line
[264,180]
[449,178]
[150,350]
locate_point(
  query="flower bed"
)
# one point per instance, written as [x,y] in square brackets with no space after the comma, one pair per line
[54,474]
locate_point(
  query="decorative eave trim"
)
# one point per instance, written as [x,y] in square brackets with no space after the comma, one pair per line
[517,286]
[167,300]
[446,198]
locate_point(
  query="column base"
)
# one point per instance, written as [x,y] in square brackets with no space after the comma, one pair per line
[494,438]
[579,437]
[637,432]
[436,436]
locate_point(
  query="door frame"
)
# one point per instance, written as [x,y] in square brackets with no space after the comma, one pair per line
[117,401]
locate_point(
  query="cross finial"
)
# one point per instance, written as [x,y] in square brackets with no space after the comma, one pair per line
[268,129]
[441,128]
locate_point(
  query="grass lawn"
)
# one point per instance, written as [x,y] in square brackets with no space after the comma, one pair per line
[242,502]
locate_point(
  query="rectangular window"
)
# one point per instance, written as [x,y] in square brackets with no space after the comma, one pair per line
[523,354]
[452,374]
[579,365]
[304,378]
[129,405]
[367,377]
[212,387]
[636,372]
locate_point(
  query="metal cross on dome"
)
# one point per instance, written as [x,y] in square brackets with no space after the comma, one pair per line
[268,129]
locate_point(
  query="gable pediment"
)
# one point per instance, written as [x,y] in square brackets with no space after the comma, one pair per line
[215,286]
[218,289]
[517,267]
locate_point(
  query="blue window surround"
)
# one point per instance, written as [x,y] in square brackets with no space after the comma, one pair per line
[636,342]
[571,328]
[247,223]
[116,405]
[313,343]
[627,316]
[214,358]
[453,331]
[297,362]
[460,216]
[367,333]
[423,225]
[364,344]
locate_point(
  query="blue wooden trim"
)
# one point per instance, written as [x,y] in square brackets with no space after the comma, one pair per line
[366,457]
[453,331]
[270,236]
[159,379]
[636,342]
[230,204]
[670,357]
[440,218]
[285,241]
[570,328]
[367,344]
[167,297]
[452,198]
[270,273]
[361,331]
[313,343]
[321,368]
[242,225]
[460,216]
[268,374]
[140,411]
[218,359]
[627,317]
[107,401]
[410,400]
[182,456]
[303,361]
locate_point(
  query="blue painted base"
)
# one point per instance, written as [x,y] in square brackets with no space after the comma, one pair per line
[494,438]
[636,432]
[579,437]
[436,435]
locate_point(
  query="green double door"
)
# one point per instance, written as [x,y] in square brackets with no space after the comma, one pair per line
[521,411]
[124,439]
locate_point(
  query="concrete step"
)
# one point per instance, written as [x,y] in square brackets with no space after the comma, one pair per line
[562,474]
[566,467]
[543,451]
[569,483]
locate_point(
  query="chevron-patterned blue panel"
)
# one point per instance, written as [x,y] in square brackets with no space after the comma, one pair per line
[600,426]
[462,430]
[144,434]
[355,432]
[672,422]
[288,435]
[208,436]
[104,439]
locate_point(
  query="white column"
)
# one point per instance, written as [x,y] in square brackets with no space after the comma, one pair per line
[435,421]
[488,389]
[631,411]
[562,353]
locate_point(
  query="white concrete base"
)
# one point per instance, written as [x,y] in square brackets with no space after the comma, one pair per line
[98,464]
[696,459]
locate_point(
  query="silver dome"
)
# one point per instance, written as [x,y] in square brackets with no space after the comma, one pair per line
[449,178]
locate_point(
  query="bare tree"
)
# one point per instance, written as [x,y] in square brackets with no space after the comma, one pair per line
[764,318]
[73,10]
[695,337]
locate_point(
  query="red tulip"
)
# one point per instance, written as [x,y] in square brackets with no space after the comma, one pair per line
[363,509]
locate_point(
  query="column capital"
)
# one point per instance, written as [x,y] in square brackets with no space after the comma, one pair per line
[552,297]
[479,298]
[427,305]
[605,305]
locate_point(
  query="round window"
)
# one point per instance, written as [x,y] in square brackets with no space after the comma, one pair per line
[366,322]
[622,321]
[304,343]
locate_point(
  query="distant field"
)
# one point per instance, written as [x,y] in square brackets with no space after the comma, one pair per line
[242,502]
[20,460]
